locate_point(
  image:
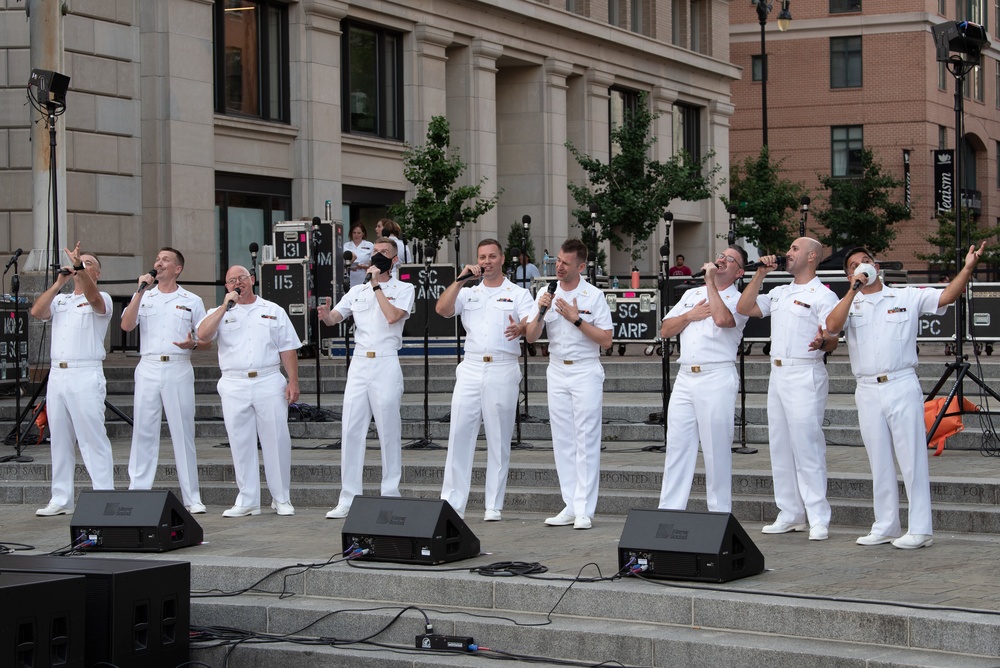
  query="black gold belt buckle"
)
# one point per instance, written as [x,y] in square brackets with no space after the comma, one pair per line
[882,379]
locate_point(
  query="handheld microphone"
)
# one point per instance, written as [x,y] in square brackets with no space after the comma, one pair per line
[152,274]
[552,291]
[869,271]
[467,275]
[13,259]
[231,304]
[779,263]
[253,252]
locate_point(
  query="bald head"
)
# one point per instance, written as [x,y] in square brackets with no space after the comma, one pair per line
[803,258]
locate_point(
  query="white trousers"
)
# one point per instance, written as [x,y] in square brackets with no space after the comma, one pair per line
[701,409]
[374,389]
[485,392]
[796,405]
[576,402]
[252,408]
[74,404]
[166,387]
[892,421]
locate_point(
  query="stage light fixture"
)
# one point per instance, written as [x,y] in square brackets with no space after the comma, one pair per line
[51,87]
[962,37]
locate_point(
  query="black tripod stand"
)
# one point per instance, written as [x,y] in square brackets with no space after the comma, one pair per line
[15,288]
[427,443]
[743,449]
[969,39]
[518,443]
[662,284]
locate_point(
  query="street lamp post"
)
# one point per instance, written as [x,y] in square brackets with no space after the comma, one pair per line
[784,21]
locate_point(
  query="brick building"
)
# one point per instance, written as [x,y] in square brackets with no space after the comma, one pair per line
[852,73]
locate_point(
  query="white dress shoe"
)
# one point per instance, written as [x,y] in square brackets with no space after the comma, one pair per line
[582,522]
[912,541]
[491,516]
[819,532]
[54,509]
[563,519]
[874,539]
[241,511]
[783,527]
[197,509]
[339,512]
[283,508]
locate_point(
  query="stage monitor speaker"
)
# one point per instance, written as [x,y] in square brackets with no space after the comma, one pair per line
[138,611]
[688,545]
[41,620]
[408,531]
[133,521]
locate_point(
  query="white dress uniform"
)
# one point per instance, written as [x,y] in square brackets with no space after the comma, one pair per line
[796,400]
[702,405]
[575,389]
[74,397]
[252,389]
[374,387]
[362,255]
[881,335]
[164,384]
[486,390]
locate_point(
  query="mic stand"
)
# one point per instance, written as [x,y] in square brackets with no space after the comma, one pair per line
[743,449]
[427,443]
[314,316]
[458,272]
[662,283]
[15,288]
[519,443]
[960,366]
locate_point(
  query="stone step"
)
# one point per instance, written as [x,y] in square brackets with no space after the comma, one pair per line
[667,626]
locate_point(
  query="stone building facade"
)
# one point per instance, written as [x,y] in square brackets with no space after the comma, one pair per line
[196,124]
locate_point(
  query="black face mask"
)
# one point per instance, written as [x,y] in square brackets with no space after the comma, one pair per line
[381,262]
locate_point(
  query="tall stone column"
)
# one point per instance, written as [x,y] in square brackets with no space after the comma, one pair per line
[426,93]
[663,99]
[317,147]
[47,52]
[719,113]
[557,201]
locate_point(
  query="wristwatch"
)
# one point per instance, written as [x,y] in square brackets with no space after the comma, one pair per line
[578,322]
[376,287]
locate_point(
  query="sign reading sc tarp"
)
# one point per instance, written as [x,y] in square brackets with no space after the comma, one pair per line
[634,315]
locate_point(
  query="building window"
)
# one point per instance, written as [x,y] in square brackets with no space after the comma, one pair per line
[942,137]
[942,7]
[687,130]
[845,62]
[969,160]
[372,81]
[578,7]
[942,76]
[697,41]
[996,83]
[246,208]
[637,20]
[973,85]
[997,145]
[616,13]
[844,6]
[845,149]
[972,10]
[757,68]
[251,59]
[621,103]
[676,22]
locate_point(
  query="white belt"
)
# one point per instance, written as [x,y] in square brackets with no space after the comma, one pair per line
[76,364]
[372,354]
[152,357]
[495,357]
[702,368]
[251,373]
[794,361]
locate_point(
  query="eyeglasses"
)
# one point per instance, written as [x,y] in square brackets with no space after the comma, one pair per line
[237,279]
[726,258]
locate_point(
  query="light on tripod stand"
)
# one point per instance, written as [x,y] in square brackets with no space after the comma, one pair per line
[50,88]
[962,37]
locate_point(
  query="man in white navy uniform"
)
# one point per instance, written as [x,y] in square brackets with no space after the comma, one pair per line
[578,323]
[166,315]
[798,386]
[74,397]
[703,400]
[488,378]
[374,386]
[256,340]
[881,325]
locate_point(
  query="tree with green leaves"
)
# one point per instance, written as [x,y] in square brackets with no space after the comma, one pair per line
[758,190]
[861,210]
[631,191]
[944,240]
[515,239]
[439,206]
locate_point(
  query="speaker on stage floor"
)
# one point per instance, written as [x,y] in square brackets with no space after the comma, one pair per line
[138,611]
[41,620]
[408,531]
[133,521]
[688,545]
